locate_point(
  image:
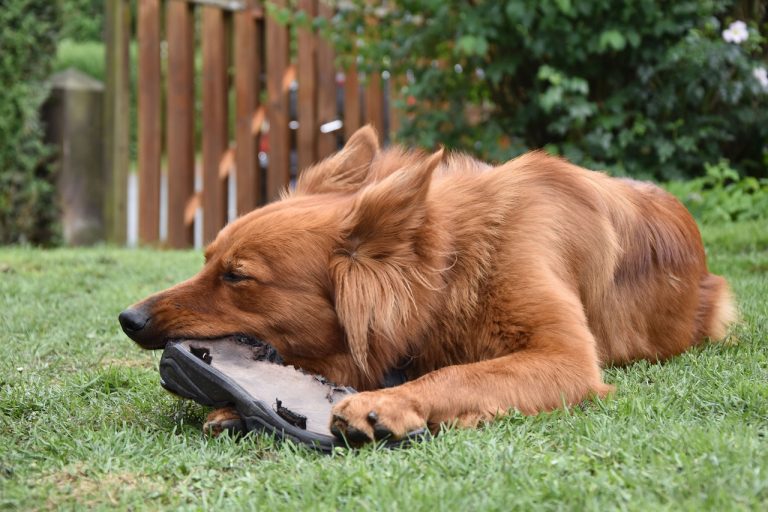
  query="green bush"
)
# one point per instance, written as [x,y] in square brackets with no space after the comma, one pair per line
[648,88]
[28,209]
[82,20]
[721,195]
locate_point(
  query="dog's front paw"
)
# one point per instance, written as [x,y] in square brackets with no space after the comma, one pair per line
[226,419]
[378,415]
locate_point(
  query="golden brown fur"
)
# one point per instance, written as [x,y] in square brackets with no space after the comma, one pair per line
[503,287]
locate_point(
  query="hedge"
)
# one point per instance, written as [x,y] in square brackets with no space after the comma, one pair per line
[649,88]
[28,211]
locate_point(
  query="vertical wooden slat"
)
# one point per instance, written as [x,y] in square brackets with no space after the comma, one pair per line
[327,109]
[374,103]
[214,121]
[351,101]
[180,120]
[395,88]
[149,133]
[246,103]
[278,172]
[116,118]
[307,95]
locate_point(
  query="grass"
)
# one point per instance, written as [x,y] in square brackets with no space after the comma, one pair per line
[88,57]
[84,423]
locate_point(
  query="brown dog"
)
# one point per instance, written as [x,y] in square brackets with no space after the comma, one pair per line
[498,287]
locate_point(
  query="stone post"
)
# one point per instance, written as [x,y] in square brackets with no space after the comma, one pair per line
[73,116]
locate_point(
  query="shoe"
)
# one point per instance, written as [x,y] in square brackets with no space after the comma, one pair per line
[269,395]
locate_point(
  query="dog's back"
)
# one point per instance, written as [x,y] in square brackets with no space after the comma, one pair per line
[630,249]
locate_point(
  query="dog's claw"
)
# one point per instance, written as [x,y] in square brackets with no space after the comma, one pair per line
[341,428]
[380,432]
[356,435]
[338,426]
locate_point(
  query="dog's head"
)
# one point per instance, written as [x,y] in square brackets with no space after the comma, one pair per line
[320,274]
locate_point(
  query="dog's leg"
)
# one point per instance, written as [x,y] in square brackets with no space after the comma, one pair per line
[532,381]
[221,420]
[557,367]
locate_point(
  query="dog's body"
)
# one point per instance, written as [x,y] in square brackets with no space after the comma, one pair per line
[497,288]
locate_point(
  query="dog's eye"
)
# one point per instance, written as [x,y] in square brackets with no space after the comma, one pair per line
[232,277]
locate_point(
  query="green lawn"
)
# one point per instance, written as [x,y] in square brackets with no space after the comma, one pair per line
[84,422]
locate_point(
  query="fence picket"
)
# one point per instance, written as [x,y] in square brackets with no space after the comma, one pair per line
[247,101]
[374,103]
[306,114]
[117,137]
[278,83]
[352,111]
[327,108]
[150,126]
[181,121]
[215,135]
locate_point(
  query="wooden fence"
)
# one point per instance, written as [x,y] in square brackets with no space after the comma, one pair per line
[264,115]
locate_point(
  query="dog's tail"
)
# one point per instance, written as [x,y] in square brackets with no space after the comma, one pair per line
[717,308]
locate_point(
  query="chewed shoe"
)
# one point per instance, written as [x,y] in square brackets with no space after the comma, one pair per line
[251,377]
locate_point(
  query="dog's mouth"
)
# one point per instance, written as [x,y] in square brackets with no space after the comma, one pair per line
[246,339]
[155,346]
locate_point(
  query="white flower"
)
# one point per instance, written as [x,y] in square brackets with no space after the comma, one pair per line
[761,75]
[736,32]
[345,5]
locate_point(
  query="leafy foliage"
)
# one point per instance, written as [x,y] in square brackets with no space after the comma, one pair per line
[646,88]
[27,47]
[82,20]
[721,195]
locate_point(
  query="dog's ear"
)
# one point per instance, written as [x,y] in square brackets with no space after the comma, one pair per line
[377,268]
[344,171]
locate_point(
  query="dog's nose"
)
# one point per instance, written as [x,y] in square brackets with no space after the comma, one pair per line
[132,320]
[137,323]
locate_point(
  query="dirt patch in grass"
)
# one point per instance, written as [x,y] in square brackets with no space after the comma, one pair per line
[76,484]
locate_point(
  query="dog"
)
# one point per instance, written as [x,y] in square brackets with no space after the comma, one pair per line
[492,288]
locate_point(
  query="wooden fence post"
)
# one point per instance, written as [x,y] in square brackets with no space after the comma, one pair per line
[306,138]
[215,136]
[327,107]
[180,123]
[117,118]
[150,122]
[374,103]
[247,71]
[279,167]
[352,110]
